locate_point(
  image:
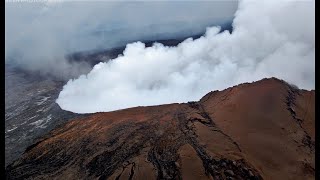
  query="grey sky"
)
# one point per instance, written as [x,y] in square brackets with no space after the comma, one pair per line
[38,35]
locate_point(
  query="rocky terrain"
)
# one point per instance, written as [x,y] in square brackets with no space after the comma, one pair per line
[260,130]
[30,110]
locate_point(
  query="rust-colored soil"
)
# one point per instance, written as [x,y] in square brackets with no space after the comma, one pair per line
[261,130]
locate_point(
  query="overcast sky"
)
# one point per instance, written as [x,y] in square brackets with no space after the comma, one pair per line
[39,35]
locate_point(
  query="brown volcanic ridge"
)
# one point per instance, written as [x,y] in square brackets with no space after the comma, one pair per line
[260,130]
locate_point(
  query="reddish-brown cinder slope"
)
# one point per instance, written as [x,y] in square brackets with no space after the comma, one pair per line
[262,130]
[273,124]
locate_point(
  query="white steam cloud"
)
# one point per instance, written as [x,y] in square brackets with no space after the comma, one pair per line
[270,38]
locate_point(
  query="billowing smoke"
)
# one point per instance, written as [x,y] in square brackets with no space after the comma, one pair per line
[40,35]
[270,38]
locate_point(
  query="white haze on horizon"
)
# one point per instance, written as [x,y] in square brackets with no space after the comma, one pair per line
[270,38]
[38,36]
